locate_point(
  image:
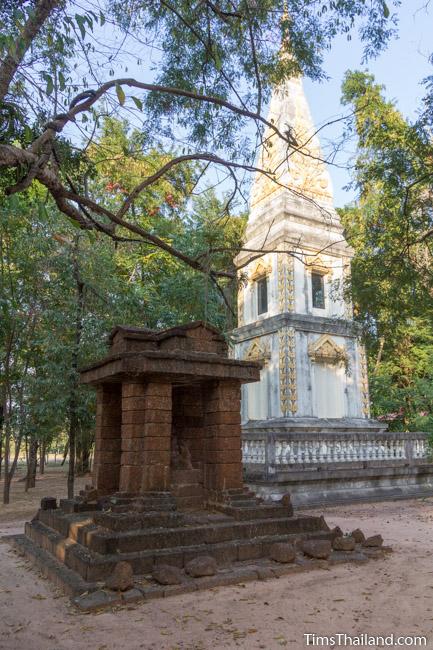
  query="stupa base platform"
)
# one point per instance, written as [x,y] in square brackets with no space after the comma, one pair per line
[77,546]
[332,462]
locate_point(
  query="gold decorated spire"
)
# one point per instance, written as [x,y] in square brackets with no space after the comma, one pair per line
[297,168]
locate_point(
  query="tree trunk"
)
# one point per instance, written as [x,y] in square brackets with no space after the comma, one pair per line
[9,476]
[31,28]
[9,471]
[42,457]
[1,439]
[6,406]
[72,436]
[84,450]
[6,487]
[7,451]
[379,353]
[73,401]
[27,450]
[65,454]
[230,294]
[32,464]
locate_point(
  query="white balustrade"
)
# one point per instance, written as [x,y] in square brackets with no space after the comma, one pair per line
[254,451]
[419,448]
[320,450]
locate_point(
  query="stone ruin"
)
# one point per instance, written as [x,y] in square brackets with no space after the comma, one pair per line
[168,511]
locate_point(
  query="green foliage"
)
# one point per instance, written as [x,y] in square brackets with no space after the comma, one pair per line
[122,284]
[227,49]
[233,51]
[402,383]
[389,228]
[205,73]
[200,228]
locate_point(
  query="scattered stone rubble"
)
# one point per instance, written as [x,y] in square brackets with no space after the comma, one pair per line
[164,574]
[201,566]
[358,536]
[320,549]
[122,577]
[344,543]
[202,572]
[374,541]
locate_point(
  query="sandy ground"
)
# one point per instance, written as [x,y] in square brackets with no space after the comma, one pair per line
[394,595]
[24,504]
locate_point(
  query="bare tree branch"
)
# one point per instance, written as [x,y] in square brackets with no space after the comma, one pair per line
[86,100]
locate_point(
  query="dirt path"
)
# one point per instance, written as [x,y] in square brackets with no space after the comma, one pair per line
[390,596]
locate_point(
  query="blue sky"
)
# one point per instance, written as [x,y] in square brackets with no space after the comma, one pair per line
[401,68]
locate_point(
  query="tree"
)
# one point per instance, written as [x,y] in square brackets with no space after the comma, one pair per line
[199,227]
[391,226]
[63,289]
[390,229]
[204,98]
[21,263]
[402,383]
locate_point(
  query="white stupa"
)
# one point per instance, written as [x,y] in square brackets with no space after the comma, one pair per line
[310,410]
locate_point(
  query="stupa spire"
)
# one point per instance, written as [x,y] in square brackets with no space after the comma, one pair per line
[298,167]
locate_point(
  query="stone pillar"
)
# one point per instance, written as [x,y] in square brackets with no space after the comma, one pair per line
[146,436]
[222,425]
[106,464]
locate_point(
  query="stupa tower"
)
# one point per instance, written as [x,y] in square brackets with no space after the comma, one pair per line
[292,311]
[306,424]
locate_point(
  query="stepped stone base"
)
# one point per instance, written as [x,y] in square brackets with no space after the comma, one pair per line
[79,544]
[168,503]
[187,488]
[93,596]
